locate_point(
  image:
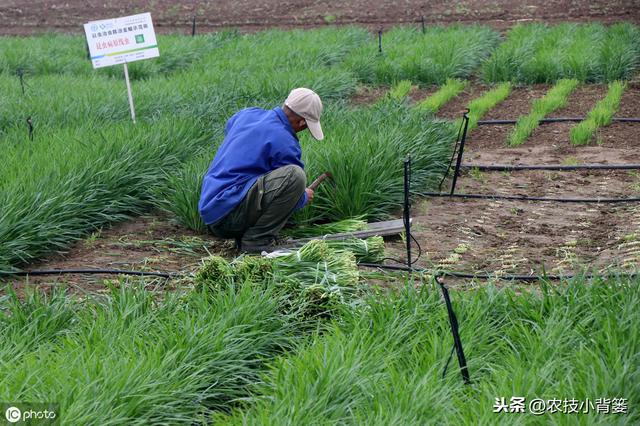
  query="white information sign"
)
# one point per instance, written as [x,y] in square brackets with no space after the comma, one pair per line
[121,40]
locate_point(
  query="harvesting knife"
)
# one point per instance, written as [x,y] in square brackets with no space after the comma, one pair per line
[314,185]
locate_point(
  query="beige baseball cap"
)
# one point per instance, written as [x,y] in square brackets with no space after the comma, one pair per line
[307,104]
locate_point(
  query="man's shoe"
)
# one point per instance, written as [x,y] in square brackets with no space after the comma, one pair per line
[257,248]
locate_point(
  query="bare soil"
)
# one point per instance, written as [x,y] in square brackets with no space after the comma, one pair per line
[153,243]
[523,237]
[37,16]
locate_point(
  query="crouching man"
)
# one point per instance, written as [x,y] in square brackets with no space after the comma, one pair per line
[257,180]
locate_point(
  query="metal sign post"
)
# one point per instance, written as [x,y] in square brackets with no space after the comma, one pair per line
[131,106]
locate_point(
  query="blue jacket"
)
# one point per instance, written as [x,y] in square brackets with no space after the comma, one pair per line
[256,142]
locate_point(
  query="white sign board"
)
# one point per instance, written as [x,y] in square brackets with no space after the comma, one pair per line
[121,40]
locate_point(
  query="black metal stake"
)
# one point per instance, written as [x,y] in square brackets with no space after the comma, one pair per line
[21,76]
[465,118]
[453,322]
[380,40]
[193,26]
[422,20]
[30,127]
[407,209]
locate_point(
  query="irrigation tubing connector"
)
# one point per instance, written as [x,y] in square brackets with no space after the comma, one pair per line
[90,272]
[556,120]
[527,198]
[465,121]
[518,167]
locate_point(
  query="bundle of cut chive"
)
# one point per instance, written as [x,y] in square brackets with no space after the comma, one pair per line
[317,278]
[369,250]
[317,230]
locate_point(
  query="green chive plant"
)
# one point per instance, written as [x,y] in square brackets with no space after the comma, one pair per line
[599,116]
[555,98]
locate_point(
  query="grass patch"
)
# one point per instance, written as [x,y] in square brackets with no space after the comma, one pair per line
[449,90]
[400,90]
[373,139]
[95,359]
[479,106]
[181,193]
[599,116]
[555,98]
[577,340]
[540,53]
[234,356]
[67,54]
[70,182]
[430,58]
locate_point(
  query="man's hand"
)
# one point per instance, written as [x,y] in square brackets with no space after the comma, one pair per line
[310,193]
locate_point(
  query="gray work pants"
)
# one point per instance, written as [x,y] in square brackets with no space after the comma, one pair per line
[265,209]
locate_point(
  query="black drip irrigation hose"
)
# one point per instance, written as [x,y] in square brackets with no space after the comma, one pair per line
[556,120]
[526,198]
[438,273]
[506,277]
[90,272]
[510,168]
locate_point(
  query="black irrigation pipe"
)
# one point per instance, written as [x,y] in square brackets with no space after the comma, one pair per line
[526,198]
[506,277]
[555,120]
[380,40]
[533,167]
[90,272]
[509,167]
